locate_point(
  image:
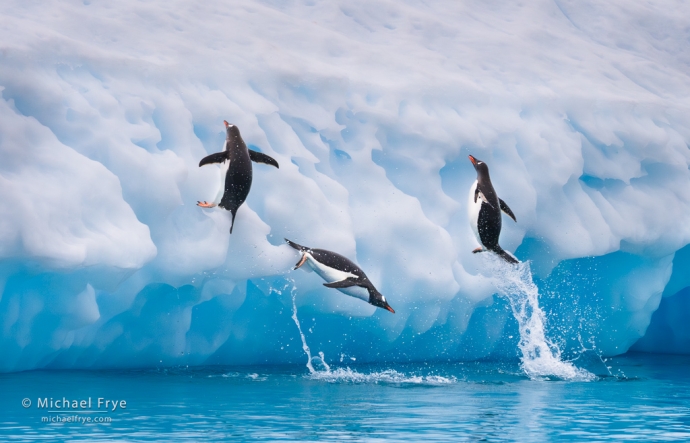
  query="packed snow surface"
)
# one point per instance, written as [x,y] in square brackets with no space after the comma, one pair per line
[580,109]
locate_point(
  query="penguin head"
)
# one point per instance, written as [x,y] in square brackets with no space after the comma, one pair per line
[479,166]
[232,133]
[377,299]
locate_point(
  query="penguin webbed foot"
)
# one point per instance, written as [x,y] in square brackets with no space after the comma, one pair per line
[300,262]
[205,204]
[476,250]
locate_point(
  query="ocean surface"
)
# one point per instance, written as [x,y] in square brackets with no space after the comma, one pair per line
[639,397]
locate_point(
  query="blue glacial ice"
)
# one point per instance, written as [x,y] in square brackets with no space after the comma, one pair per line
[580,109]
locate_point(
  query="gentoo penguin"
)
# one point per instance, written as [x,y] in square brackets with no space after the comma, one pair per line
[341,274]
[236,171]
[485,212]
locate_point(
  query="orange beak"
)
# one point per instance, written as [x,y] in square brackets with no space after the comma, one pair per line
[226,123]
[473,160]
[390,309]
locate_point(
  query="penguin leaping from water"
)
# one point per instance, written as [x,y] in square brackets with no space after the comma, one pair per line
[236,171]
[341,274]
[485,212]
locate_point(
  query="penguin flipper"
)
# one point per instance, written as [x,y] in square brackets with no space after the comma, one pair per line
[218,157]
[480,194]
[259,157]
[342,283]
[506,209]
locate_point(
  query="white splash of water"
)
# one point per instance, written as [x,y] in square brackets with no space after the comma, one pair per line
[321,358]
[326,368]
[541,357]
[347,375]
[392,376]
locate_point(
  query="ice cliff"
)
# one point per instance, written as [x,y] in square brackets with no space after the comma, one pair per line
[580,109]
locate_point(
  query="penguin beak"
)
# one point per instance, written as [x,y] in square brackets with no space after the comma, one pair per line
[473,160]
[226,123]
[378,300]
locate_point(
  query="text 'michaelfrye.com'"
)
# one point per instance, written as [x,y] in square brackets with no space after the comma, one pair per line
[76,410]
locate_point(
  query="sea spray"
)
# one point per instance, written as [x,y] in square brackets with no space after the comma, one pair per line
[540,356]
[305,346]
[386,376]
[347,375]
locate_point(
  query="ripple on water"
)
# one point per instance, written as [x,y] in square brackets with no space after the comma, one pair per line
[389,376]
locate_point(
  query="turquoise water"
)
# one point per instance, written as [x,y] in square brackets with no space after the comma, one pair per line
[646,399]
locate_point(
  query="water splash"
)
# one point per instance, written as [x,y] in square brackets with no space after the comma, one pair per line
[347,375]
[388,376]
[305,347]
[541,358]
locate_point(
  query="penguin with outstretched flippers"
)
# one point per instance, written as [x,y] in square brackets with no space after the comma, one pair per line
[236,171]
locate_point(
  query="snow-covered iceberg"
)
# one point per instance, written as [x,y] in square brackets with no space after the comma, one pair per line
[581,110]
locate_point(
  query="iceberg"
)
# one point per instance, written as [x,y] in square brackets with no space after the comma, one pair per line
[371,109]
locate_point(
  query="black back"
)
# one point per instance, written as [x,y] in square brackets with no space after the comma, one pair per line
[337,261]
[341,263]
[489,226]
[238,180]
[489,222]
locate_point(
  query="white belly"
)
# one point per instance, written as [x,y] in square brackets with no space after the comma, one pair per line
[221,190]
[332,275]
[473,211]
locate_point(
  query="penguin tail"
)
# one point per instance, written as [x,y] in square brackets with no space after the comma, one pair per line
[296,246]
[232,223]
[507,256]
